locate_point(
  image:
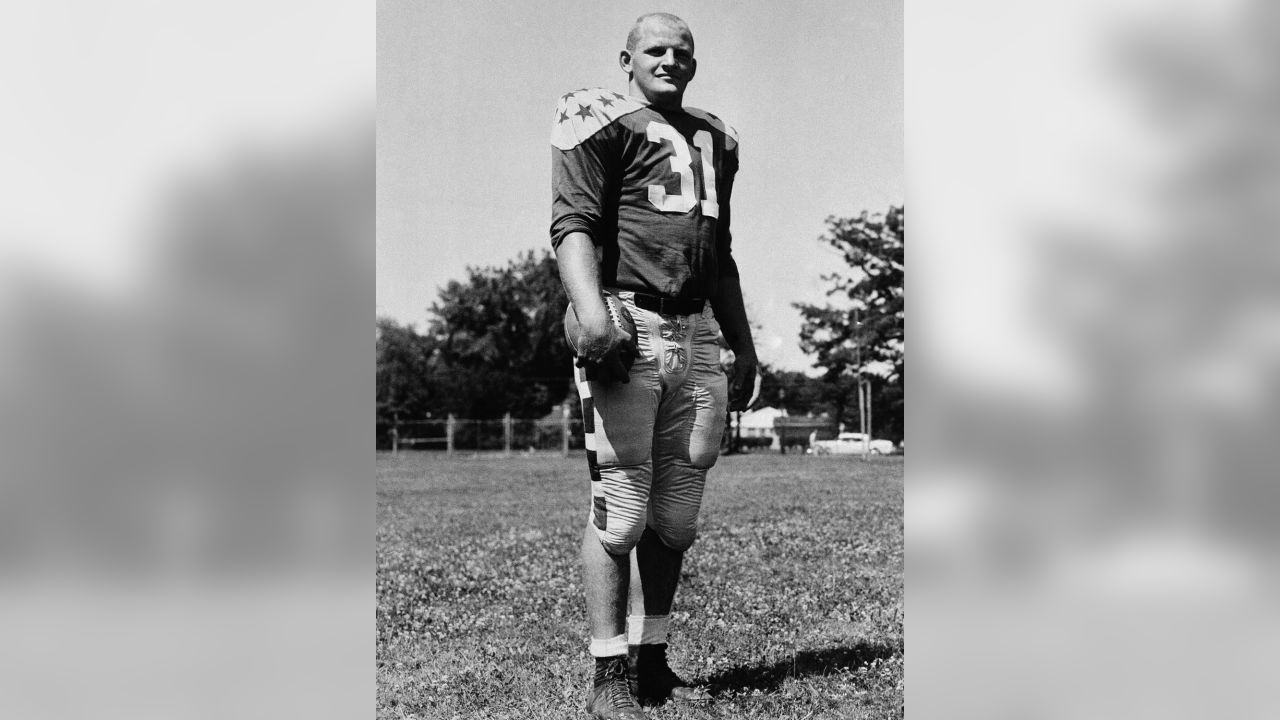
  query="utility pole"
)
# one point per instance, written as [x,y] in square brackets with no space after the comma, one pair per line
[863,421]
[869,406]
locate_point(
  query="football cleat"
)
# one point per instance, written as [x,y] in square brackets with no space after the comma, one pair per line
[610,697]
[653,682]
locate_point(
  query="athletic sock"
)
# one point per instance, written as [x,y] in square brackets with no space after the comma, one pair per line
[647,629]
[608,647]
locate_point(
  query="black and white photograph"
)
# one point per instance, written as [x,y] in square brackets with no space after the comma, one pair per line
[631,442]
[640,360]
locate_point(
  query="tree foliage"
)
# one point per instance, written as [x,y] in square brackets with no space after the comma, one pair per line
[495,344]
[789,390]
[404,362]
[862,332]
[800,394]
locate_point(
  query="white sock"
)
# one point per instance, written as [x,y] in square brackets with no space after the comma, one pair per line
[608,647]
[647,629]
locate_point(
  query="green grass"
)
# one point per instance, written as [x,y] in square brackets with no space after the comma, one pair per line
[790,605]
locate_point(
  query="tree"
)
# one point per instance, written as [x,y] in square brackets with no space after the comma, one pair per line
[499,341]
[403,390]
[789,390]
[862,335]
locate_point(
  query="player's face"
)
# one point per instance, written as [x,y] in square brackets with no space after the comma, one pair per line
[662,64]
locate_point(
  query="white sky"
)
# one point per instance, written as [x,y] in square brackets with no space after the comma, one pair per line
[466,94]
[106,103]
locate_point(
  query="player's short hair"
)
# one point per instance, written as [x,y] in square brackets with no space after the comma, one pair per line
[633,37]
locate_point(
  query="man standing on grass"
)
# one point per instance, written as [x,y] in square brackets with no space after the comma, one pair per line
[640,211]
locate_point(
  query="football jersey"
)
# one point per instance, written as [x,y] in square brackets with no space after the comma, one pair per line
[650,187]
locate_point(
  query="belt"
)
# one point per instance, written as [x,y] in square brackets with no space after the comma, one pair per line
[670,306]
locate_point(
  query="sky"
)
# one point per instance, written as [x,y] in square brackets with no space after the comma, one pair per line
[466,95]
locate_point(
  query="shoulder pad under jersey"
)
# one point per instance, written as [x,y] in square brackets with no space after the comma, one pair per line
[582,113]
[719,124]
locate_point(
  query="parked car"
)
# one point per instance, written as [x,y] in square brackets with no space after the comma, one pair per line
[851,443]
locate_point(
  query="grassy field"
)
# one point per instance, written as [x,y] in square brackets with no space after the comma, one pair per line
[790,606]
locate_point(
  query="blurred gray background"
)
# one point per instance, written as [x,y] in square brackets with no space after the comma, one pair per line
[186,507]
[1095,317]
[187,514]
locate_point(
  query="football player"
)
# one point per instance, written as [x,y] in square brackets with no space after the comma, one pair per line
[640,211]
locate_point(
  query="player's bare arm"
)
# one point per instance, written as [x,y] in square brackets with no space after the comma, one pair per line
[598,338]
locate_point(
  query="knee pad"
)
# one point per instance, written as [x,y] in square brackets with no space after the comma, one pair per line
[619,505]
[678,539]
[619,541]
[676,526]
[703,456]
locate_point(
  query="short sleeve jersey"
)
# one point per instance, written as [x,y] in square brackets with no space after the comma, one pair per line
[651,188]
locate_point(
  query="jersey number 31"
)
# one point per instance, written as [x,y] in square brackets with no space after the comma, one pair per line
[682,165]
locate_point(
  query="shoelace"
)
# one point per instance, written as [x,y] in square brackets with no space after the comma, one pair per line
[614,678]
[620,696]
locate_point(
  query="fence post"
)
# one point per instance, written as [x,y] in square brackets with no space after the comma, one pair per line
[506,435]
[564,429]
[449,426]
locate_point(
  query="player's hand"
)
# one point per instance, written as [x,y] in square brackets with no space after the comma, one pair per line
[744,385]
[604,349]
